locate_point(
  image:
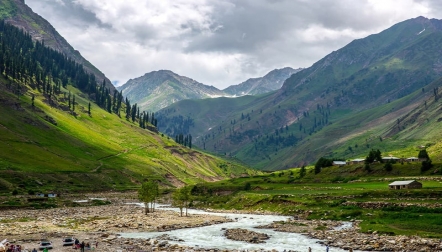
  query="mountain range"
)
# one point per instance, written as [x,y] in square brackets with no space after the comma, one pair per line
[62,130]
[318,111]
[159,89]
[379,92]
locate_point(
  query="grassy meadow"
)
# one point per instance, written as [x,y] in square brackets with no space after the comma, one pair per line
[338,193]
[51,147]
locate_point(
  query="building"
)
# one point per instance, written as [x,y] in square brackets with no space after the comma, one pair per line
[412,159]
[394,159]
[357,161]
[408,184]
[339,163]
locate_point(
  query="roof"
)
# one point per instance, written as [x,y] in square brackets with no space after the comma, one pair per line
[339,162]
[412,158]
[358,160]
[406,182]
[390,158]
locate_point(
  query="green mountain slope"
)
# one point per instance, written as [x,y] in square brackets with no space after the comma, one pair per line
[54,137]
[17,13]
[48,147]
[317,110]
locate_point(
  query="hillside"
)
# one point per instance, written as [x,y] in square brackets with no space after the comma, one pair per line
[256,86]
[62,131]
[17,13]
[323,108]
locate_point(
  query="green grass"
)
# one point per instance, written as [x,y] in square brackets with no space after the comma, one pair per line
[97,152]
[7,9]
[284,192]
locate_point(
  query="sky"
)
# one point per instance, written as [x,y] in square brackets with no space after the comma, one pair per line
[218,42]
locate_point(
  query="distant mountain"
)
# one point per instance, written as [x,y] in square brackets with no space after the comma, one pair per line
[158,89]
[17,13]
[270,82]
[332,108]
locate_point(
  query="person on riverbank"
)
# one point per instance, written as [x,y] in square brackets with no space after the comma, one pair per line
[326,248]
[82,246]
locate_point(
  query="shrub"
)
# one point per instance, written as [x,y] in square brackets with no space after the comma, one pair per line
[388,166]
[426,165]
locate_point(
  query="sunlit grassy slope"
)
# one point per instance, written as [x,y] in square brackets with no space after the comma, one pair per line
[51,147]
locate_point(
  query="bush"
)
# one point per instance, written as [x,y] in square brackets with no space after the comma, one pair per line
[247,186]
[367,167]
[426,165]
[388,166]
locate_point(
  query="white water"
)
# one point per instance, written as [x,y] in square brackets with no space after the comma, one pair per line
[212,236]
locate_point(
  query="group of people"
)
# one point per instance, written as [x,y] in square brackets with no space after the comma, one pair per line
[82,246]
[327,249]
[13,248]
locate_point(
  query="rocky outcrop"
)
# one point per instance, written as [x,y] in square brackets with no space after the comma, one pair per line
[239,234]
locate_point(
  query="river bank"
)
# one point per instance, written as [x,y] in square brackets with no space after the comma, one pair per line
[103,224]
[350,238]
[93,224]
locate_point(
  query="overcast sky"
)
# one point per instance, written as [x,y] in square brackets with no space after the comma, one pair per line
[219,42]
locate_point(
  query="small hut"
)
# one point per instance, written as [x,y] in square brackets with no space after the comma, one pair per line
[408,184]
[412,159]
[339,163]
[357,161]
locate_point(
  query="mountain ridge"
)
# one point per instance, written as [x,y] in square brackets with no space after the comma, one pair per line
[19,14]
[158,89]
[272,81]
[286,124]
[62,131]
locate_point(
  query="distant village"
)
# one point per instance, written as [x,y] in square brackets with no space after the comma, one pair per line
[384,159]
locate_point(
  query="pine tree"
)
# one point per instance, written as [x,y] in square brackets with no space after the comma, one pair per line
[73,103]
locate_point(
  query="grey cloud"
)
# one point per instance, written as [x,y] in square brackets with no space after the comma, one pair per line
[264,21]
[66,11]
[248,37]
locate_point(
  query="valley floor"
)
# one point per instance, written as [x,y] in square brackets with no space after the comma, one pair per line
[101,224]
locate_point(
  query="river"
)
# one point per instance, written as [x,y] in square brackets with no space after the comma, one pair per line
[212,236]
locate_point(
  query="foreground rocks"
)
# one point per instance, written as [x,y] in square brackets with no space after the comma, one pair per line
[350,238]
[239,234]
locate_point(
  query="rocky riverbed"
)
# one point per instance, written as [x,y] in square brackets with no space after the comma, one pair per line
[102,224]
[96,224]
[350,238]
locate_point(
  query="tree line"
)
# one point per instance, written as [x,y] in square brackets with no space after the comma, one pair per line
[31,63]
